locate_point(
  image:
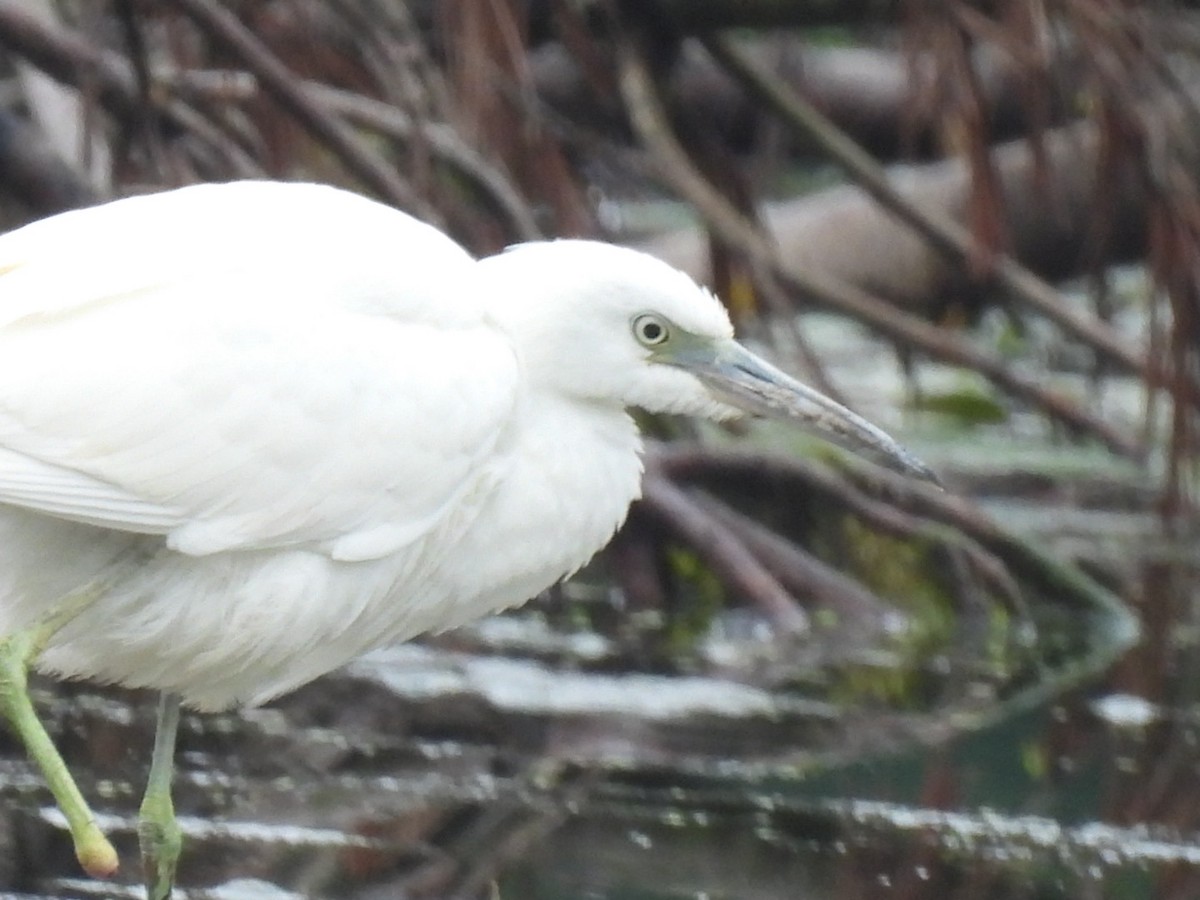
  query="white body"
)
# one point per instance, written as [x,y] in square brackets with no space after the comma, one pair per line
[275,426]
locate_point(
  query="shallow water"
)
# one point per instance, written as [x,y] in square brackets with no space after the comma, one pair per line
[1010,757]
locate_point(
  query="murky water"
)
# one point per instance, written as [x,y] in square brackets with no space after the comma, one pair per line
[527,757]
[969,749]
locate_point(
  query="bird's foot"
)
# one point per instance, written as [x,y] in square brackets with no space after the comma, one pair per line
[93,850]
[95,853]
[161,841]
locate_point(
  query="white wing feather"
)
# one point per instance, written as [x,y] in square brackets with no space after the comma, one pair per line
[29,482]
[246,366]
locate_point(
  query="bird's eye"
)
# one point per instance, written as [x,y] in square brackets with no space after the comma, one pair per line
[650,330]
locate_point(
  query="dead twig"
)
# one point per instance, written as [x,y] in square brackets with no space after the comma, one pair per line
[947,236]
[812,581]
[145,125]
[970,533]
[633,556]
[728,556]
[445,143]
[651,123]
[74,61]
[226,29]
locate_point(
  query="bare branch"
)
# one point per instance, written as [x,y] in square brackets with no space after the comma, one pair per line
[944,234]
[225,28]
[70,59]
[711,465]
[443,140]
[815,583]
[651,122]
[731,560]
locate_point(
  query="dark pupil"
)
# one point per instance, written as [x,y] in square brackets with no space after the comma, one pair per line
[652,331]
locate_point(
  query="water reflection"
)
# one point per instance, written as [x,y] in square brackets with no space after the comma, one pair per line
[446,770]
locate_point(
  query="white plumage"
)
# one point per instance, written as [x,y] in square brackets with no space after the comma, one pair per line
[250,431]
[280,425]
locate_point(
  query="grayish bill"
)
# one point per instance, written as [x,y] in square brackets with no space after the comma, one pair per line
[751,383]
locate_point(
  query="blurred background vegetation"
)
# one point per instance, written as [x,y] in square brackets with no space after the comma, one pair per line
[976,222]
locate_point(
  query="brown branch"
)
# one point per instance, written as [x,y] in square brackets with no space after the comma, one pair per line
[74,61]
[225,28]
[145,124]
[506,831]
[730,559]
[946,347]
[972,532]
[690,15]
[650,121]
[70,59]
[376,115]
[634,562]
[795,346]
[443,140]
[810,580]
[947,236]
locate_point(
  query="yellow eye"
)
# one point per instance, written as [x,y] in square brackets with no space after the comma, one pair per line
[650,330]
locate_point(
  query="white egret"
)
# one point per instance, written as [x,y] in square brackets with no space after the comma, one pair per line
[250,431]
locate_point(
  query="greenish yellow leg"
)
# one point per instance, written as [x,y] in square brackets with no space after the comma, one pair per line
[158,832]
[92,848]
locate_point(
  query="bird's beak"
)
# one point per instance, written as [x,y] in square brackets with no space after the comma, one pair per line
[750,383]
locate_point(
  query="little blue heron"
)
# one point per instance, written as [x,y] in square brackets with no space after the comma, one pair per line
[250,431]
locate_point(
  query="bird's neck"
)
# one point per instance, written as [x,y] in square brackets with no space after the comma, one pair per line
[586,458]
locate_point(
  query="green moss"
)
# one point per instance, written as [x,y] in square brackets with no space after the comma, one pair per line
[904,572]
[967,407]
[1034,759]
[699,594]
[892,686]
[998,648]
[901,570]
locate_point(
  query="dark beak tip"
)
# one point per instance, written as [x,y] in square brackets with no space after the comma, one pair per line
[908,465]
[922,472]
[931,478]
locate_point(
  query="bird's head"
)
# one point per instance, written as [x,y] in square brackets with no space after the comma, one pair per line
[607,324]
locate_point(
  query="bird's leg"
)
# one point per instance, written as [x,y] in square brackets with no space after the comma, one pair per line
[96,855]
[17,652]
[158,832]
